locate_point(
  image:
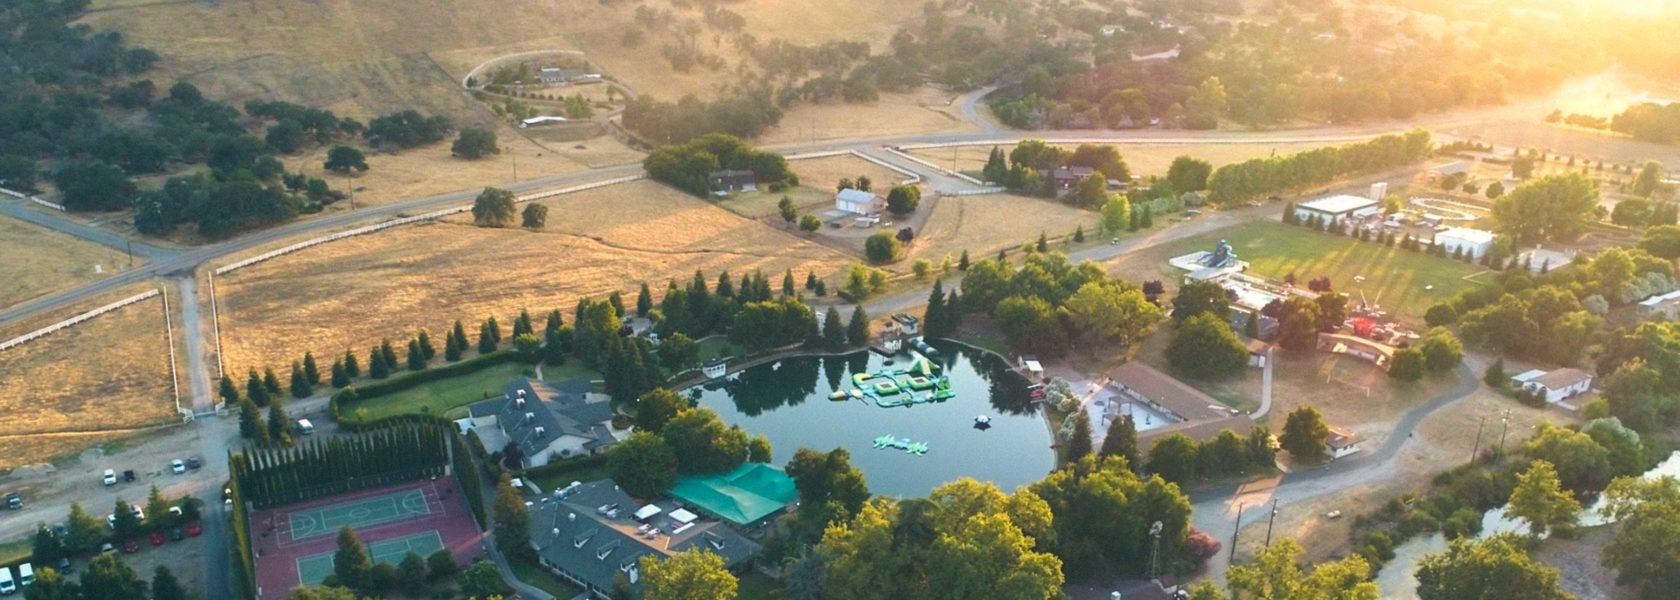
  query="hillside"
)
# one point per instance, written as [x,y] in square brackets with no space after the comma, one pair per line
[363,57]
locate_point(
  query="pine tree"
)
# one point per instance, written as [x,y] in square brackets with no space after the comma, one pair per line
[352,367]
[1135,219]
[389,354]
[1251,326]
[460,334]
[953,313]
[1079,235]
[725,285]
[962,263]
[1079,441]
[522,324]
[810,281]
[644,301]
[495,329]
[229,392]
[427,350]
[301,388]
[277,421]
[350,563]
[552,323]
[254,389]
[339,377]
[1122,441]
[933,319]
[1003,256]
[311,371]
[250,421]
[787,284]
[833,331]
[1148,219]
[486,339]
[377,367]
[416,357]
[617,301]
[451,348]
[165,586]
[271,382]
[822,288]
[857,331]
[1043,244]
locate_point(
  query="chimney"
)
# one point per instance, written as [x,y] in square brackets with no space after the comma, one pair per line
[519,402]
[541,431]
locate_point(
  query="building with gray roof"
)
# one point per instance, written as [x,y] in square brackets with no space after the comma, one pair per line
[547,421]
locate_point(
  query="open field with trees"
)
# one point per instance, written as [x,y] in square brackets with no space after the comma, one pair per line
[1394,278]
[984,224]
[352,293]
[39,261]
[109,374]
[1142,159]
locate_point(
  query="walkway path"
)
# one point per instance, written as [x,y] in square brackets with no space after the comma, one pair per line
[1266,385]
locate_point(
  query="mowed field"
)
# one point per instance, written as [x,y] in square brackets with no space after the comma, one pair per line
[363,57]
[1403,282]
[352,293]
[40,261]
[1143,159]
[85,384]
[925,110]
[984,224]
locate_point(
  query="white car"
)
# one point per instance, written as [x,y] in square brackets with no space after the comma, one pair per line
[111,519]
[177,467]
[110,477]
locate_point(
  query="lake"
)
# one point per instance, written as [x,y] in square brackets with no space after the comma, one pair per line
[788,402]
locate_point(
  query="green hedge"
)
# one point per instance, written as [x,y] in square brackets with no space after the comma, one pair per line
[466,473]
[369,391]
[246,573]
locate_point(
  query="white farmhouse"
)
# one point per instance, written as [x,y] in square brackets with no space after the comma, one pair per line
[1340,444]
[857,202]
[1337,207]
[1557,386]
[1466,241]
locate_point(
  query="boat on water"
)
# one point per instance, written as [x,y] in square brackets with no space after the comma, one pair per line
[837,395]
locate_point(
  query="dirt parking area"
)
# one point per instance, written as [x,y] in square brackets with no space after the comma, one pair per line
[109,375]
[352,293]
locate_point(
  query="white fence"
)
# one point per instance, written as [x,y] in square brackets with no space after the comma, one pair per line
[976,192]
[50,329]
[35,199]
[431,216]
[910,177]
[930,165]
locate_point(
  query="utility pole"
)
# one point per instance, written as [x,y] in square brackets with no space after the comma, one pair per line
[1478,445]
[1504,425]
[1234,531]
[1269,522]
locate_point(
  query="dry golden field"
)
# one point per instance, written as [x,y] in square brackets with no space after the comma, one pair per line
[920,111]
[362,57]
[984,224]
[431,170]
[352,293]
[87,383]
[39,261]
[1143,159]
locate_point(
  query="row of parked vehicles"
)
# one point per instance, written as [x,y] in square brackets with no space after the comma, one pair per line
[25,576]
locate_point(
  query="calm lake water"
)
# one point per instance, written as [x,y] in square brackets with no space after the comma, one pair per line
[788,402]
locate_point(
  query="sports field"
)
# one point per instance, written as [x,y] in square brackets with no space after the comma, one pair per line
[294,544]
[315,568]
[357,514]
[1403,282]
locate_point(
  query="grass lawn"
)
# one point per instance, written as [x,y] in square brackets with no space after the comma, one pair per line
[555,480]
[1403,282]
[445,396]
[540,578]
[716,347]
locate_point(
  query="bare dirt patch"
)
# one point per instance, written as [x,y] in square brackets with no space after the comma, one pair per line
[39,261]
[72,388]
[352,293]
[984,224]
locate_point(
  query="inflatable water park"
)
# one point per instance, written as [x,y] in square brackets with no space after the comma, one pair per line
[890,387]
[888,441]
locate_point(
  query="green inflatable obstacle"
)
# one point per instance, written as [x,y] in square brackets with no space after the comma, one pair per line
[886,387]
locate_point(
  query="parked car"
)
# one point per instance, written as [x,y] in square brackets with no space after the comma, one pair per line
[62,566]
[194,529]
[14,501]
[107,548]
[26,574]
[193,463]
[110,477]
[128,475]
[7,585]
[176,535]
[158,538]
[177,466]
[130,546]
[139,515]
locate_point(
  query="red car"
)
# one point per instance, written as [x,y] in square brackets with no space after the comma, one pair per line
[158,538]
[194,528]
[130,546]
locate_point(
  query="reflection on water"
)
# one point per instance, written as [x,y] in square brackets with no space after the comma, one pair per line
[788,401]
[1398,578]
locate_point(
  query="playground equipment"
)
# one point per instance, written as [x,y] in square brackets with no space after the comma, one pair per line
[982,422]
[888,441]
[890,387]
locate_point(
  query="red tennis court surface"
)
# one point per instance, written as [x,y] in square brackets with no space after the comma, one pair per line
[283,535]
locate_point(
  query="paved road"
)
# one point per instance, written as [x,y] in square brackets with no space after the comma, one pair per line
[1216,508]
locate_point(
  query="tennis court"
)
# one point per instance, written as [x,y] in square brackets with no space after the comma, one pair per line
[357,514]
[315,568]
